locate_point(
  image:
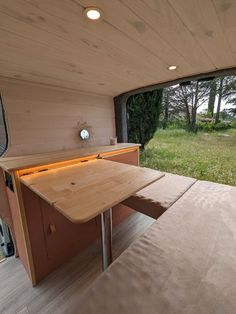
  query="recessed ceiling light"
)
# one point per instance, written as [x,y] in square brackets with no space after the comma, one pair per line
[172,67]
[93,13]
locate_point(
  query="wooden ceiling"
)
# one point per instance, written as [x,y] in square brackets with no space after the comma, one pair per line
[50,42]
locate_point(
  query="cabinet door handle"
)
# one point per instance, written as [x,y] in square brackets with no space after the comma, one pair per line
[52,228]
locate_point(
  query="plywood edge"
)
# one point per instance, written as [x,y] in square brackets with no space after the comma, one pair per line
[23,222]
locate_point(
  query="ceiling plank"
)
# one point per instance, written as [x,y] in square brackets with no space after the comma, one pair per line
[226,12]
[200,18]
[162,19]
[86,54]
[129,23]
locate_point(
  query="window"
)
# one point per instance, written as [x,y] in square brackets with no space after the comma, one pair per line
[3,130]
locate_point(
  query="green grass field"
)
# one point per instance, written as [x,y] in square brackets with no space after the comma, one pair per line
[205,156]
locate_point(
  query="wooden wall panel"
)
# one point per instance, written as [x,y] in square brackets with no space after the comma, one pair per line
[42,119]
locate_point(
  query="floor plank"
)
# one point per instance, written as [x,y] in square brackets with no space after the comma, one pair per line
[62,287]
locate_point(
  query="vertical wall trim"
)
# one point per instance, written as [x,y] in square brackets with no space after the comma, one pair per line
[3,116]
[121,118]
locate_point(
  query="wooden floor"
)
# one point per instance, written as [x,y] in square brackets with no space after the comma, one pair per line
[62,287]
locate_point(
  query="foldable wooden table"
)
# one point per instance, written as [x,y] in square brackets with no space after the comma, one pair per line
[84,190]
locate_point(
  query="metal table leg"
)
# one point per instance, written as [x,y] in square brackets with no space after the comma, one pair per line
[106,237]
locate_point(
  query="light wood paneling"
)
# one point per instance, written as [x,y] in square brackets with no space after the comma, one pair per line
[42,119]
[154,25]
[226,12]
[50,42]
[201,19]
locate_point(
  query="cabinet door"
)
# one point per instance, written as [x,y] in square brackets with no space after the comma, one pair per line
[65,239]
[54,239]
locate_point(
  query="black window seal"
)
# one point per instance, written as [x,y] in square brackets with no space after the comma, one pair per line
[5,127]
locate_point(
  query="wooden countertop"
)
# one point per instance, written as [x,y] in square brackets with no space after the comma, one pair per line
[84,190]
[27,161]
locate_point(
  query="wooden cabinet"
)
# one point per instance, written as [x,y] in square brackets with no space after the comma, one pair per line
[63,238]
[44,238]
[53,238]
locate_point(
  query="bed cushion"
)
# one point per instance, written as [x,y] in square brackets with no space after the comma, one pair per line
[185,263]
[155,199]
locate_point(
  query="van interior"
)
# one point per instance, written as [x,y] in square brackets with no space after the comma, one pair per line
[83,227]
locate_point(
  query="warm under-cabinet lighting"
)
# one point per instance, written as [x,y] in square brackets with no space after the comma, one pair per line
[172,67]
[94,14]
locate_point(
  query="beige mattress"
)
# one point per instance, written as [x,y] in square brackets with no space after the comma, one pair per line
[155,199]
[185,263]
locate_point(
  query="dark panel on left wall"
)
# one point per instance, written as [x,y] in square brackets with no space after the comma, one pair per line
[3,129]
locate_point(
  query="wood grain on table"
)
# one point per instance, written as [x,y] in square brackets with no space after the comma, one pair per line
[84,190]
